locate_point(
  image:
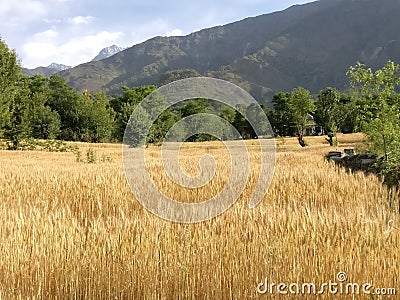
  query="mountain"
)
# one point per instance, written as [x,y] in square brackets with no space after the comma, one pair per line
[107,52]
[310,45]
[51,69]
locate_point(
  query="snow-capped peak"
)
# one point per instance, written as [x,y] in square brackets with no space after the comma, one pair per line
[58,67]
[107,52]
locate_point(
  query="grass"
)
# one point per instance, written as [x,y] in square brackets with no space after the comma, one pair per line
[71,230]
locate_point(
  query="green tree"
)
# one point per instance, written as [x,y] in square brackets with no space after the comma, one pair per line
[329,112]
[71,108]
[18,125]
[228,113]
[281,117]
[125,104]
[375,96]
[301,104]
[45,123]
[137,127]
[9,70]
[162,125]
[350,113]
[193,107]
[99,117]
[241,124]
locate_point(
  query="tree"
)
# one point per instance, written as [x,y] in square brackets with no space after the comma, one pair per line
[301,104]
[329,112]
[9,70]
[70,107]
[99,118]
[350,123]
[228,113]
[241,124]
[44,122]
[125,104]
[137,127]
[375,96]
[18,125]
[257,117]
[281,117]
[162,125]
[193,107]
[131,96]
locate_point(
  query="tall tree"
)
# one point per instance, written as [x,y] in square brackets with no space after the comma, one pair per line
[45,123]
[125,104]
[99,117]
[71,108]
[329,112]
[18,125]
[282,120]
[301,105]
[193,107]
[9,70]
[375,95]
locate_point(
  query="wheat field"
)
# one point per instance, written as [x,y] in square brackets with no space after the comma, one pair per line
[73,230]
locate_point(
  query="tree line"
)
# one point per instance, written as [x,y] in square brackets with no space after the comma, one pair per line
[47,108]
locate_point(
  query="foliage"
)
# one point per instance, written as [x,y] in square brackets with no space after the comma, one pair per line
[329,112]
[44,122]
[18,123]
[375,95]
[9,70]
[124,106]
[99,117]
[280,117]
[301,104]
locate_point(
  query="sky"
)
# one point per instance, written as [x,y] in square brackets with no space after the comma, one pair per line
[72,32]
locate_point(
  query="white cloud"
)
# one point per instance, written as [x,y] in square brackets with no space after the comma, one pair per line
[156,27]
[17,13]
[44,48]
[46,35]
[52,21]
[175,32]
[81,20]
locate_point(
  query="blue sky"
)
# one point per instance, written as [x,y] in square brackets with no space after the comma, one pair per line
[74,31]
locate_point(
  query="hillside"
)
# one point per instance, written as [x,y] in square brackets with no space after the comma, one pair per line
[311,45]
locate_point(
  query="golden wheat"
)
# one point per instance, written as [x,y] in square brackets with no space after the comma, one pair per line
[74,230]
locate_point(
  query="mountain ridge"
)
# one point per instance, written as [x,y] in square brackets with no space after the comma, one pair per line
[311,45]
[108,52]
[51,69]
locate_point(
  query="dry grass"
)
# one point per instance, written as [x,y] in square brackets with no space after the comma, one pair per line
[74,230]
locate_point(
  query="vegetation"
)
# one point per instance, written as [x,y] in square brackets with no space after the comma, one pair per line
[47,108]
[375,96]
[329,112]
[70,227]
[74,230]
[300,106]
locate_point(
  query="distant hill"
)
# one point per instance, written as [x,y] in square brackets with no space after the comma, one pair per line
[51,69]
[310,45]
[108,52]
